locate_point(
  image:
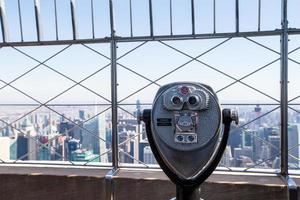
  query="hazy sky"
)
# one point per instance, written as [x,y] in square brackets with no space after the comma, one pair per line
[236,57]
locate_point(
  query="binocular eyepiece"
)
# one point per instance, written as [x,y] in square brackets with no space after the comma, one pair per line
[185,97]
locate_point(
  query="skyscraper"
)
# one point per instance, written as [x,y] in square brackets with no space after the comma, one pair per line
[31,136]
[81,115]
[293,145]
[5,148]
[93,138]
[148,156]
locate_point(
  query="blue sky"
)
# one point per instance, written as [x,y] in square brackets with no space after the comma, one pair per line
[236,57]
[225,17]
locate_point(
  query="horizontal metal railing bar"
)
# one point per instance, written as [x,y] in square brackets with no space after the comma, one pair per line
[134,104]
[136,166]
[254,170]
[151,38]
[55,163]
[218,169]
[21,104]
[272,172]
[223,104]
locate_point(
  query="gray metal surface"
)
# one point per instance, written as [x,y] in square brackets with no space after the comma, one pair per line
[284,91]
[114,98]
[3,21]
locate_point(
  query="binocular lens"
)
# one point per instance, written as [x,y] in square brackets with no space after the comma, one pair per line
[191,138]
[180,138]
[176,100]
[193,100]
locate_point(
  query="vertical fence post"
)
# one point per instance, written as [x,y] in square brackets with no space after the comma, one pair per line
[20,21]
[284,90]
[259,15]
[171,17]
[114,100]
[151,18]
[130,12]
[214,15]
[56,20]
[193,16]
[109,194]
[3,20]
[38,25]
[93,19]
[292,188]
[73,18]
[237,16]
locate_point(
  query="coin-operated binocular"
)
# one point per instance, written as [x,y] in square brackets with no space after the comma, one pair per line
[188,133]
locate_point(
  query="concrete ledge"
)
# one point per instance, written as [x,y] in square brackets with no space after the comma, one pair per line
[135,184]
[49,183]
[88,183]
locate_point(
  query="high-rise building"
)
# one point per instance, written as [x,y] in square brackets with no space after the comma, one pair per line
[94,138]
[259,140]
[73,145]
[265,152]
[227,159]
[81,115]
[22,147]
[5,148]
[235,139]
[243,156]
[102,135]
[247,138]
[83,155]
[13,148]
[148,156]
[32,140]
[142,145]
[274,146]
[293,144]
[44,152]
[257,111]
[70,129]
[61,147]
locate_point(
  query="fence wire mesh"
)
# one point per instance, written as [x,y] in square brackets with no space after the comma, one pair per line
[59,94]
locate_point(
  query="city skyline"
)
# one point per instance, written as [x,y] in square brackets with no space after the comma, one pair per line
[254,145]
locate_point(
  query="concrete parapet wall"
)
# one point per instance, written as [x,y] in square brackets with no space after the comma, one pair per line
[69,183]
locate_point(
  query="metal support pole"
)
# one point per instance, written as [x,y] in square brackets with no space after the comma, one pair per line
[93,19]
[151,18]
[4,27]
[171,18]
[292,193]
[56,24]
[237,16]
[193,16]
[109,184]
[188,193]
[284,91]
[214,19]
[130,11]
[37,9]
[292,188]
[73,18]
[259,15]
[20,21]
[114,99]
